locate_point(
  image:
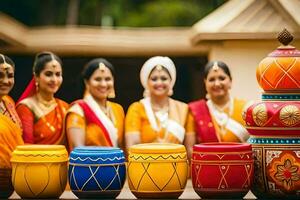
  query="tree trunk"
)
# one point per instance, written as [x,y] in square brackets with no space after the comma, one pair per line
[72,15]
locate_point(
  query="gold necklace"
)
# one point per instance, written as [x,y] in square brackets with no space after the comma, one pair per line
[228,106]
[45,103]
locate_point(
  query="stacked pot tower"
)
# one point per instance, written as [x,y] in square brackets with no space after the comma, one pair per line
[274,123]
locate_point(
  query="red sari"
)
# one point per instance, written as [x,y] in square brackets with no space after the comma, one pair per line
[203,122]
[208,122]
[45,129]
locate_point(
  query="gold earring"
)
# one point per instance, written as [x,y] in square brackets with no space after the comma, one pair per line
[111,94]
[36,86]
[170,93]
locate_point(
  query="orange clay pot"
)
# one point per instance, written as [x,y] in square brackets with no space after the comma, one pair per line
[280,71]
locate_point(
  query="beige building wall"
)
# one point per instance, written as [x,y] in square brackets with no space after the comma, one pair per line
[243,57]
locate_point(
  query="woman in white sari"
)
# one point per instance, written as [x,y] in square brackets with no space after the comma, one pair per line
[157,117]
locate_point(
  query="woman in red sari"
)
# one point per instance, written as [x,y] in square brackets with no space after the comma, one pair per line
[219,119]
[40,112]
[10,124]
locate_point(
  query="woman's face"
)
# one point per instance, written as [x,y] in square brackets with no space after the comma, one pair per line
[101,83]
[50,78]
[7,79]
[159,82]
[217,83]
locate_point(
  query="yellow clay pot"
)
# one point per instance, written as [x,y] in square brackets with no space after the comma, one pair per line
[39,171]
[157,170]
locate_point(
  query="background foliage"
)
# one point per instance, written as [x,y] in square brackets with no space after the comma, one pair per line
[132,13]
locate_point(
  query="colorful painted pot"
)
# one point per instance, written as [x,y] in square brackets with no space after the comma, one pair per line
[278,118]
[6,188]
[277,167]
[97,172]
[222,170]
[157,170]
[280,71]
[39,171]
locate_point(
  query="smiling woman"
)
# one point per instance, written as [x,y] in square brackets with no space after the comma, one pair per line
[10,124]
[157,117]
[93,120]
[219,119]
[41,113]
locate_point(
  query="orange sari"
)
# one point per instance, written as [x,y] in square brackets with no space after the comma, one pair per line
[97,131]
[10,132]
[42,129]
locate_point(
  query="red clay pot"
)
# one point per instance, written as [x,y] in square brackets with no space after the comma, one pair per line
[222,170]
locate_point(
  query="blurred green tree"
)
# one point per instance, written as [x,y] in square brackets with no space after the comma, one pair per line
[133,13]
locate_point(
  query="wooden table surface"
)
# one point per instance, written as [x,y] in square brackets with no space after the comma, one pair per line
[188,193]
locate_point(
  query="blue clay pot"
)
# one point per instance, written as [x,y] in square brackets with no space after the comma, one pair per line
[96,172]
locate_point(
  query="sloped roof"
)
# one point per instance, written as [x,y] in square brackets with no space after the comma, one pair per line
[83,40]
[249,19]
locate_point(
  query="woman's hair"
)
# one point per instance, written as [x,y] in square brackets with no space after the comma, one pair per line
[220,64]
[6,59]
[91,67]
[163,68]
[41,59]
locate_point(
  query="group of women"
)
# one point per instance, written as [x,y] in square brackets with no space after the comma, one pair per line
[40,118]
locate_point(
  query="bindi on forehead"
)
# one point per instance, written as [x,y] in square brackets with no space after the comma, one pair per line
[6,67]
[215,67]
[54,64]
[159,68]
[102,67]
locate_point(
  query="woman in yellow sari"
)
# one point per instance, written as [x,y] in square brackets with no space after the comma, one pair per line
[10,124]
[93,120]
[219,119]
[157,117]
[41,113]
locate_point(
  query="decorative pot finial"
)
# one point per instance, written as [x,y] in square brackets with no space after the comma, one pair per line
[285,37]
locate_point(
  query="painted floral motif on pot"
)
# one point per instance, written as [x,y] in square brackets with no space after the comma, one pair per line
[277,167]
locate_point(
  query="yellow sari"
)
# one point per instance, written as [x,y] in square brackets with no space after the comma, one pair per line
[10,132]
[138,121]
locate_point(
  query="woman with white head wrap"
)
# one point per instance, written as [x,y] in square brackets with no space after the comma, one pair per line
[157,117]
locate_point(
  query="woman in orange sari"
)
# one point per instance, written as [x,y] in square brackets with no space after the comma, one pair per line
[10,124]
[41,113]
[219,119]
[157,117]
[93,120]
